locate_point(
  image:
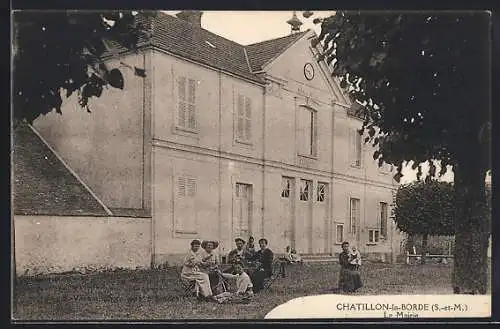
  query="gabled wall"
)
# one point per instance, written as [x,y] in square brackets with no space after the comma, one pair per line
[105,147]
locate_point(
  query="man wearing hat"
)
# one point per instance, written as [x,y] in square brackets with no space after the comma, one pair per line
[238,254]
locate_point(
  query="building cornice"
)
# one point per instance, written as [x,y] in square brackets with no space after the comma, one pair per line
[196,150]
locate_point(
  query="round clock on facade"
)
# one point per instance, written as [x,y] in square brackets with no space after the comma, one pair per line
[309,71]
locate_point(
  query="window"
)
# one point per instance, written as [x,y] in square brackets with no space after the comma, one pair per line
[373,235]
[339,233]
[185,205]
[286,184]
[306,131]
[322,191]
[354,215]
[305,189]
[383,219]
[186,187]
[242,210]
[186,117]
[244,119]
[356,148]
[386,168]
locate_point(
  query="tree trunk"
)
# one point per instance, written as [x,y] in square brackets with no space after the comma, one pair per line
[424,247]
[472,230]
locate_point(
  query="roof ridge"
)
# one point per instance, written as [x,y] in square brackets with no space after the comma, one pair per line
[202,28]
[278,38]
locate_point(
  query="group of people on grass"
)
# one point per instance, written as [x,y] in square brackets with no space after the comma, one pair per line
[249,268]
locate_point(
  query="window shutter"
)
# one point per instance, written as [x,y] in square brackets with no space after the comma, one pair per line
[181,88]
[241,117]
[192,104]
[358,148]
[185,212]
[351,147]
[248,119]
[191,187]
[314,128]
[181,187]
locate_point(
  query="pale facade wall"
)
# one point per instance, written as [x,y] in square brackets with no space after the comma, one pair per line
[211,155]
[216,107]
[214,199]
[105,147]
[52,244]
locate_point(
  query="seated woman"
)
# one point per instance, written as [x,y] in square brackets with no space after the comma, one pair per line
[291,256]
[349,277]
[191,270]
[211,263]
[295,257]
[244,287]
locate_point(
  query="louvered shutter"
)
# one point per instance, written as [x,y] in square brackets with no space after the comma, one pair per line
[248,119]
[192,104]
[241,117]
[181,88]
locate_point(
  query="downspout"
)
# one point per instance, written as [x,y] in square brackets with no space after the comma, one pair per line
[148,83]
[147,106]
[365,201]
[331,224]
[263,209]
[219,150]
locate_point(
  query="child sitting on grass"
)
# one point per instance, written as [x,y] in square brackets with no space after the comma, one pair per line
[244,287]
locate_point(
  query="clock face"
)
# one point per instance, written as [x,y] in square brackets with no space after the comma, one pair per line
[309,71]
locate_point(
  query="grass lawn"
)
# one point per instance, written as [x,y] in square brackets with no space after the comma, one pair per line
[148,295]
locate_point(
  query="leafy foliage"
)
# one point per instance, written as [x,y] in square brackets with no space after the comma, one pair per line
[422,79]
[57,51]
[425,208]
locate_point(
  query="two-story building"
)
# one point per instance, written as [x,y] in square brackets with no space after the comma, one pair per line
[223,140]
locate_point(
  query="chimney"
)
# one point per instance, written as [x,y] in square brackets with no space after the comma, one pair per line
[191,16]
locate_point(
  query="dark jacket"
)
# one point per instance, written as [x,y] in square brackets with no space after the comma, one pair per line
[344,261]
[231,257]
[266,258]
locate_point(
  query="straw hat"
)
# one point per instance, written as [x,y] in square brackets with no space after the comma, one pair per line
[205,242]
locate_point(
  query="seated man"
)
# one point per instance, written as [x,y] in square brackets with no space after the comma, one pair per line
[265,258]
[244,287]
[238,254]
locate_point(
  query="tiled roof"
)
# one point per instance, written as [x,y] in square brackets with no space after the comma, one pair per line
[262,52]
[187,40]
[42,185]
[184,39]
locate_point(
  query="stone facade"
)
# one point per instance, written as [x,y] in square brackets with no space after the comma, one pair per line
[213,155]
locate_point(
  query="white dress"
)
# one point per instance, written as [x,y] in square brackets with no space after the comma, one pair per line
[191,272]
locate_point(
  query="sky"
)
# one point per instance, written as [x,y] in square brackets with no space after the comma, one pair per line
[246,27]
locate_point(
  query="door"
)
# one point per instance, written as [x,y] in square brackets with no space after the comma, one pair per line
[303,227]
[286,223]
[242,211]
[321,219]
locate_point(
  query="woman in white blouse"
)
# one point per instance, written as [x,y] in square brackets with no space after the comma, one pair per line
[211,264]
[191,269]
